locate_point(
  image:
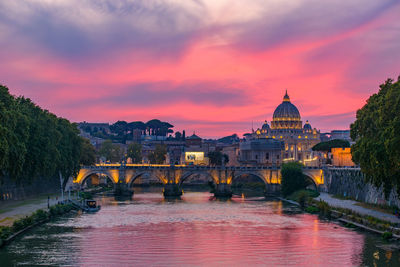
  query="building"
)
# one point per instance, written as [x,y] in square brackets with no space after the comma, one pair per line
[341,157]
[193,140]
[337,134]
[261,151]
[287,126]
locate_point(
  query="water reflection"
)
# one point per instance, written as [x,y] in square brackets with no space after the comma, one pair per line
[148,230]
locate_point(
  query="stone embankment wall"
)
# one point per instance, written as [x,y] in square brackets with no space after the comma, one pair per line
[351,182]
[9,190]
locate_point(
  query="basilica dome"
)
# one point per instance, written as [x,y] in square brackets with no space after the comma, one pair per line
[286,115]
[286,110]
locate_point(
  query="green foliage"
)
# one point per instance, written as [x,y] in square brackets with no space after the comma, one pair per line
[60,209]
[307,192]
[22,223]
[40,215]
[88,153]
[158,156]
[387,235]
[134,152]
[216,158]
[324,209]
[35,143]
[376,131]
[302,199]
[327,146]
[5,232]
[312,209]
[293,178]
[85,195]
[111,152]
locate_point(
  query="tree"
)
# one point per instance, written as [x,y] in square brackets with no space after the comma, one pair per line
[134,152]
[376,131]
[216,158]
[293,178]
[34,143]
[178,136]
[110,151]
[158,156]
[88,153]
[327,146]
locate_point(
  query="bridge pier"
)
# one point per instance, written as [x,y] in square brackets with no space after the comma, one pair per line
[172,190]
[223,190]
[122,189]
[272,190]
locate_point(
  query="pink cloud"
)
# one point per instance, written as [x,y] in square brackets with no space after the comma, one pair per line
[205,76]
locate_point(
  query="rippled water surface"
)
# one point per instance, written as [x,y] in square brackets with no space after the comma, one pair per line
[197,231]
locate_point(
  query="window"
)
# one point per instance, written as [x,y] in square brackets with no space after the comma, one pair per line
[277,156]
[267,155]
[256,157]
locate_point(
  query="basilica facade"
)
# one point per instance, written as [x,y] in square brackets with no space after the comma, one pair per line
[287,127]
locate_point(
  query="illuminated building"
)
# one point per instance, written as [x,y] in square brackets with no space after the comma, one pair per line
[341,157]
[287,126]
[261,151]
[195,158]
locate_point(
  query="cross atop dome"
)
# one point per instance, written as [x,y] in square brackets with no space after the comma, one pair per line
[286,97]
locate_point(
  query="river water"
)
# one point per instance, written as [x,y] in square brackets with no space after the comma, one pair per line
[196,231]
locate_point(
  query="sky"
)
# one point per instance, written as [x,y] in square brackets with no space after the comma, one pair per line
[214,67]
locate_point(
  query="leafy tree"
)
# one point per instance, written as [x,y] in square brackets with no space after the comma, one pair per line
[34,143]
[293,178]
[159,154]
[112,152]
[134,152]
[376,131]
[327,146]
[178,136]
[216,158]
[88,153]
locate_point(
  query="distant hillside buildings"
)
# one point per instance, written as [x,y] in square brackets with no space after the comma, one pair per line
[285,140]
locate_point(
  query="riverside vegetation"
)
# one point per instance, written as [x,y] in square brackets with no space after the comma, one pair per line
[36,145]
[39,216]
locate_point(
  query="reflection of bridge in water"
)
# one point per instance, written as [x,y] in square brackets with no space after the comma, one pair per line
[173,176]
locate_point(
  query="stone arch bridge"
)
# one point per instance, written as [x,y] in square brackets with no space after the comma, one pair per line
[173,176]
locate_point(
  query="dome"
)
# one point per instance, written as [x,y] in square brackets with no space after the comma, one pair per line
[286,110]
[307,126]
[286,116]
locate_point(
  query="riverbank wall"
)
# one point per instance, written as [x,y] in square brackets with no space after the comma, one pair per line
[351,183]
[10,190]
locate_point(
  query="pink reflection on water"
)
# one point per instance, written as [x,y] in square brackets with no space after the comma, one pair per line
[218,234]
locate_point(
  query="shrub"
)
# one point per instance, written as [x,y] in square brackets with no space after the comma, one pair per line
[324,209]
[302,199]
[40,215]
[312,209]
[293,178]
[387,235]
[5,232]
[20,224]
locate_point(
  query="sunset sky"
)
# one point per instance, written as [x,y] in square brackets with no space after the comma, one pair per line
[210,66]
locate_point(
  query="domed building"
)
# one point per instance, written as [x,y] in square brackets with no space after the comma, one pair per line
[286,126]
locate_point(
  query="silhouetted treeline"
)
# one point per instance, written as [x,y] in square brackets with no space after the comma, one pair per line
[35,143]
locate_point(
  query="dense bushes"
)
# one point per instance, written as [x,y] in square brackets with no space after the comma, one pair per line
[36,217]
[293,178]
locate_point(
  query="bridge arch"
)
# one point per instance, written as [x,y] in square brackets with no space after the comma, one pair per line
[84,175]
[238,175]
[316,176]
[186,176]
[136,176]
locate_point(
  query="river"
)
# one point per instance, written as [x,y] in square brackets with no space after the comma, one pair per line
[196,231]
